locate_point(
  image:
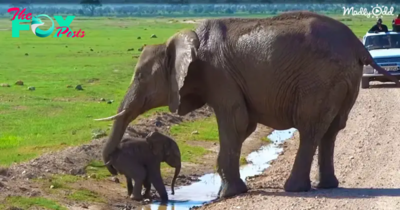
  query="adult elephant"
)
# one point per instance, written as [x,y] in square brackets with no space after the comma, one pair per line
[298,69]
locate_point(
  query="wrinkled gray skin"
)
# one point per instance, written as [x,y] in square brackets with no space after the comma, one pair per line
[140,158]
[298,69]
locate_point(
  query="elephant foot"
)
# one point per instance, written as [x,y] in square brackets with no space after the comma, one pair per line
[164,198]
[136,198]
[297,185]
[230,189]
[328,183]
[147,194]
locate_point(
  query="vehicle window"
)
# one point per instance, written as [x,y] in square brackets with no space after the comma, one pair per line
[383,41]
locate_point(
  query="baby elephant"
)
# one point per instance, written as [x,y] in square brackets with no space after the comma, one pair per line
[140,159]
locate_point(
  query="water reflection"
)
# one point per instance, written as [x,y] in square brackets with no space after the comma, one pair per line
[207,188]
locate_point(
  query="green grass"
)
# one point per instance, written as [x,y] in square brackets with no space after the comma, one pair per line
[266,139]
[59,181]
[25,203]
[242,160]
[206,130]
[54,116]
[86,196]
[97,169]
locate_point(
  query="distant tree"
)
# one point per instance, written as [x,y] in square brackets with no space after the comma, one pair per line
[91,5]
[22,4]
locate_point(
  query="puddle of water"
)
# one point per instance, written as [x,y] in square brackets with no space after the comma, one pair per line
[207,188]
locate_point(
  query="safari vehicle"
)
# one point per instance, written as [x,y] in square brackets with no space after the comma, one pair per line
[384,48]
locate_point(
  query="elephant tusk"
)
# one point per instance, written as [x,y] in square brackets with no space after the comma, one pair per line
[112,117]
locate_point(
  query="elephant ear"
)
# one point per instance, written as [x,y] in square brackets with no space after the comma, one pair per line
[181,51]
[157,142]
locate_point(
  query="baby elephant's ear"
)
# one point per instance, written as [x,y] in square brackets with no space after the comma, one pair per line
[155,141]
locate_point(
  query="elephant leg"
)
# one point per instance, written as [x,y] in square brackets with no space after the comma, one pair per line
[299,179]
[157,181]
[327,178]
[147,187]
[129,185]
[138,173]
[233,124]
[250,129]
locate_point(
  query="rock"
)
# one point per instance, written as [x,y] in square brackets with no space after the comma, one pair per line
[158,123]
[19,82]
[31,88]
[79,87]
[110,101]
[29,176]
[195,132]
[76,171]
[139,37]
[34,193]
[67,160]
[153,36]
[114,179]
[5,85]
[23,189]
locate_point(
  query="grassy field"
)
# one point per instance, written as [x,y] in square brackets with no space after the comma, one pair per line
[55,114]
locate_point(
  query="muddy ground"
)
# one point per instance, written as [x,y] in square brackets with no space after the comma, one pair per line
[34,178]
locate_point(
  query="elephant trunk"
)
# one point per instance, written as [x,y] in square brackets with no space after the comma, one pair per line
[118,130]
[177,170]
[130,108]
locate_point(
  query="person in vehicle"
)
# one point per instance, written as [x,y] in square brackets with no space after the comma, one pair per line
[397,20]
[379,27]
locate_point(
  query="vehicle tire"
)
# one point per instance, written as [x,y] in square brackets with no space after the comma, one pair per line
[365,82]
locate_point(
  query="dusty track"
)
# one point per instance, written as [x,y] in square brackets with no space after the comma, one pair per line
[367,160]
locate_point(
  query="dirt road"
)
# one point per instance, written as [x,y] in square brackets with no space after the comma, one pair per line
[367,160]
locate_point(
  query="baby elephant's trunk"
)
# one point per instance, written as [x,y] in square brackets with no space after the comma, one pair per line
[177,170]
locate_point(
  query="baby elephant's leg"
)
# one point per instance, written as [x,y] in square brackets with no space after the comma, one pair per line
[138,174]
[147,187]
[129,185]
[157,181]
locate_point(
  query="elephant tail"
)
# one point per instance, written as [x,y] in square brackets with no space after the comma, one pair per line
[366,59]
